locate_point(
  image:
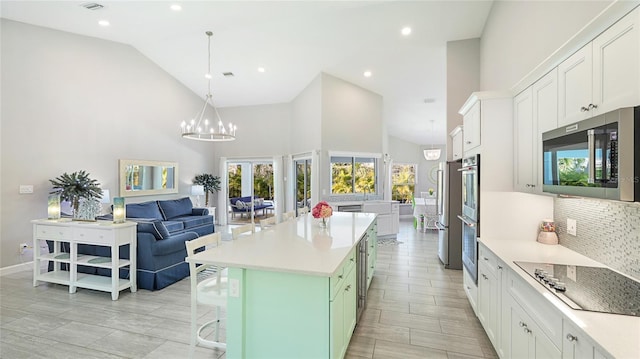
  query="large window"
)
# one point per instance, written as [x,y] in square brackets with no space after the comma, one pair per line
[353,175]
[403,177]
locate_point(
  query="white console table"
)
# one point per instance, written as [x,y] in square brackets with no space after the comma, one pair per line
[100,233]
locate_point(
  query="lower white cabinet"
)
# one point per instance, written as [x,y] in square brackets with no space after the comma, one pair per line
[490,278]
[343,307]
[576,344]
[527,340]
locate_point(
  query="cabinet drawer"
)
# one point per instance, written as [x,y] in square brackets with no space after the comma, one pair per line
[543,313]
[53,232]
[336,280]
[488,259]
[93,236]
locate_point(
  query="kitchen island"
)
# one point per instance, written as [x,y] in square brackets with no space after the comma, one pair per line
[292,287]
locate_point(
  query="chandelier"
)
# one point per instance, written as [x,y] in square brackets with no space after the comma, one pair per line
[200,128]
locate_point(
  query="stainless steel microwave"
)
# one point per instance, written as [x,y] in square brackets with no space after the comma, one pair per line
[598,157]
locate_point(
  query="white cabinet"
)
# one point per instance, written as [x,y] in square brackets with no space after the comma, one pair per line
[524,135]
[471,290]
[490,283]
[66,235]
[395,217]
[535,112]
[471,122]
[576,344]
[527,340]
[603,75]
[456,143]
[388,221]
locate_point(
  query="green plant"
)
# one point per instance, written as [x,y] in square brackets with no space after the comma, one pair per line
[210,183]
[73,187]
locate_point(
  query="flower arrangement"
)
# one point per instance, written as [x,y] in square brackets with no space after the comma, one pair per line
[547,225]
[322,210]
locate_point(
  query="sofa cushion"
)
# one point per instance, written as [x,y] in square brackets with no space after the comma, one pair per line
[175,208]
[144,210]
[174,226]
[194,221]
[153,226]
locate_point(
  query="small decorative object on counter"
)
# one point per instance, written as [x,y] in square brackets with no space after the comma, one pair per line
[323,211]
[547,233]
[431,191]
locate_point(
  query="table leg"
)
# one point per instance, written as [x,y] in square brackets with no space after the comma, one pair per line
[73,270]
[115,271]
[133,267]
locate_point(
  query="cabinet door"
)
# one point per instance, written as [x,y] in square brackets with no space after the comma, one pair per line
[471,123]
[575,83]
[524,135]
[456,145]
[350,304]
[337,325]
[575,344]
[519,343]
[616,64]
[545,118]
[487,296]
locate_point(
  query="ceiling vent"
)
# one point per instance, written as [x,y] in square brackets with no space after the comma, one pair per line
[227,74]
[92,6]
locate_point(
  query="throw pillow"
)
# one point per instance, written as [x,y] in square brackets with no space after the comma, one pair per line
[240,204]
[144,210]
[175,208]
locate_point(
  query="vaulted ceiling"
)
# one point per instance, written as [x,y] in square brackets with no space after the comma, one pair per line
[293,41]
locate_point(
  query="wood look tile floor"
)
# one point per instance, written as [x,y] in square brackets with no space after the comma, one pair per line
[416,309]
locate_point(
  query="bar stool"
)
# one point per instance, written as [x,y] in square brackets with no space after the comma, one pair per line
[266,223]
[208,287]
[288,215]
[245,228]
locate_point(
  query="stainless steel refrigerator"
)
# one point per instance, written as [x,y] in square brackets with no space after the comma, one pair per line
[449,206]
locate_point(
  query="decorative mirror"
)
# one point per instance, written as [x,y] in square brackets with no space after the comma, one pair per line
[144,178]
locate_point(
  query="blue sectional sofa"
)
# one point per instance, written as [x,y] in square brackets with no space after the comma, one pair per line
[243,205]
[163,227]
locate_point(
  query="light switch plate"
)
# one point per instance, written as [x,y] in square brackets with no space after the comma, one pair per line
[234,288]
[572,227]
[26,188]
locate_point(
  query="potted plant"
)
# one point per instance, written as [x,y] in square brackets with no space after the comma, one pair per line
[210,183]
[76,186]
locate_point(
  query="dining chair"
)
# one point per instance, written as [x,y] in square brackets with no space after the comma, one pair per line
[245,228]
[268,222]
[303,210]
[288,215]
[208,287]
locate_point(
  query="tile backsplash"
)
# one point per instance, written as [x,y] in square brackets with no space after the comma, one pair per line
[607,231]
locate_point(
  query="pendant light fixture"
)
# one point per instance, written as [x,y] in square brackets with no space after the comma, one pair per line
[201,128]
[434,153]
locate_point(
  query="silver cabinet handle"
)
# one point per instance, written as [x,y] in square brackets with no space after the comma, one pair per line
[500,267]
[572,338]
[591,147]
[484,276]
[468,142]
[591,106]
[347,288]
[340,276]
[485,258]
[527,330]
[523,324]
[584,109]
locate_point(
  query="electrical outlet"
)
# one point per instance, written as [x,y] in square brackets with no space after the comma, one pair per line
[23,247]
[572,227]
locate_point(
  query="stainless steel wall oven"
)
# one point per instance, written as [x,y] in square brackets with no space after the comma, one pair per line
[470,214]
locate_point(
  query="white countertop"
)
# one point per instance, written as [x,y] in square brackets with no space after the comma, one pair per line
[619,335]
[295,246]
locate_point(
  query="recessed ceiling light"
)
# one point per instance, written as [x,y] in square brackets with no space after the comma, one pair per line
[261,69]
[176,7]
[406,31]
[367,74]
[103,23]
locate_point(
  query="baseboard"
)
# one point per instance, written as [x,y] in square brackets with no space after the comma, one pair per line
[16,268]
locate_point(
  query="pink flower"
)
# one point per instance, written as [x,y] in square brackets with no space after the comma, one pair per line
[322,210]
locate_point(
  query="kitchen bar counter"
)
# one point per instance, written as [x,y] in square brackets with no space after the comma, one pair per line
[292,286]
[298,246]
[619,335]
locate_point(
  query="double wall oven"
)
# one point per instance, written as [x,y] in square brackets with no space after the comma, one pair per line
[470,214]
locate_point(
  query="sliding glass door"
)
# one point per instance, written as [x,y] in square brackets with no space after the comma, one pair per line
[251,190]
[303,184]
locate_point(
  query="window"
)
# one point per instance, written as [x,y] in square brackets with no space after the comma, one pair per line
[353,175]
[403,179]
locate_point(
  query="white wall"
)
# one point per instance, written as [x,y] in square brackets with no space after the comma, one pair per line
[463,78]
[307,118]
[74,103]
[519,35]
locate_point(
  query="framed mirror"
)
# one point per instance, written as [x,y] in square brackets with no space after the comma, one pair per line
[144,178]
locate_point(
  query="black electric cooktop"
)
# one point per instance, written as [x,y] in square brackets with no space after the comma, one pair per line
[592,289]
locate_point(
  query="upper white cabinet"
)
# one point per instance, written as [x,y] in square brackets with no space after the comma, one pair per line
[456,143]
[575,81]
[603,75]
[471,123]
[535,112]
[524,135]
